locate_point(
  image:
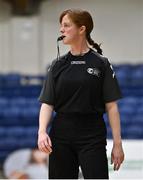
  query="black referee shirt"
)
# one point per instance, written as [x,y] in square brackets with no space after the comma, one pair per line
[80,84]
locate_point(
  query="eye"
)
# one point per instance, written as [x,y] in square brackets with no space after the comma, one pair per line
[65,25]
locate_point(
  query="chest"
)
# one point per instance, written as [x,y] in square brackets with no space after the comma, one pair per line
[81,73]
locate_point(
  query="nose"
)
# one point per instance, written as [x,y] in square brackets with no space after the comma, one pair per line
[62,29]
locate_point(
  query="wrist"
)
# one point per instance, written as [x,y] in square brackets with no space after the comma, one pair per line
[41,131]
[117,142]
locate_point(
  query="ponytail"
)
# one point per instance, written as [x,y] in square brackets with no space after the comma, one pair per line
[94,45]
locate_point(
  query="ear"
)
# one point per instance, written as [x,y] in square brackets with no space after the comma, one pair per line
[82,29]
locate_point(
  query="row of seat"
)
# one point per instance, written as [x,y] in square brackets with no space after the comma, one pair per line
[18,131]
[132,132]
[16,79]
[27,109]
[126,74]
[34,91]
[22,90]
[19,108]
[19,101]
[33,101]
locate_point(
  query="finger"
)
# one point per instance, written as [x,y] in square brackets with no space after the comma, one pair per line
[115,163]
[122,158]
[114,160]
[40,146]
[119,162]
[47,146]
[49,140]
[116,167]
[43,148]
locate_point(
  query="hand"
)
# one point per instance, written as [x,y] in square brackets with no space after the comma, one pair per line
[117,156]
[44,142]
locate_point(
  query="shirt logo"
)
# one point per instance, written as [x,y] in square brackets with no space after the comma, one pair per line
[78,62]
[94,71]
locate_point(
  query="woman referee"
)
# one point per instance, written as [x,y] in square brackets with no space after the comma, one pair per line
[80,87]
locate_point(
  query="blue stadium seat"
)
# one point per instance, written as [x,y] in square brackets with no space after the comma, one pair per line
[19,102]
[140,109]
[31,131]
[126,119]
[12,112]
[138,119]
[2,131]
[9,143]
[1,80]
[30,112]
[31,91]
[3,105]
[137,75]
[131,100]
[12,79]
[123,74]
[19,108]
[134,132]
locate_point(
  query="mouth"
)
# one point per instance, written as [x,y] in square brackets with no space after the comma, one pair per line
[60,38]
[63,36]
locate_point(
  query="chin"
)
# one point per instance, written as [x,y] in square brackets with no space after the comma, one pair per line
[66,42]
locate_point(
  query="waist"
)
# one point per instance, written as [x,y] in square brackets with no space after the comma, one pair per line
[80,115]
[78,125]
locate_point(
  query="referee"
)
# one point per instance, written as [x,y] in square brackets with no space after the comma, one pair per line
[80,87]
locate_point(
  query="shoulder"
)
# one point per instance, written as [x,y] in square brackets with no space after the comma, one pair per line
[63,57]
[56,61]
[99,57]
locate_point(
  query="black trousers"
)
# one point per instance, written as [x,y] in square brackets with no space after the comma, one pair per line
[78,140]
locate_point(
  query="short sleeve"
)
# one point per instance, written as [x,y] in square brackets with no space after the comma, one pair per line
[47,94]
[111,89]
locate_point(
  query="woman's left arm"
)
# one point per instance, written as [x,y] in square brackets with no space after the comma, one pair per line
[117,155]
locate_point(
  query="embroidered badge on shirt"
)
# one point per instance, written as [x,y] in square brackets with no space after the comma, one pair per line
[94,71]
[78,62]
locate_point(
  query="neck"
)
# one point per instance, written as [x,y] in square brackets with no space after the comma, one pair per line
[79,48]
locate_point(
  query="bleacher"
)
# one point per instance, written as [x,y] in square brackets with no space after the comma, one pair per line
[19,107]
[130,78]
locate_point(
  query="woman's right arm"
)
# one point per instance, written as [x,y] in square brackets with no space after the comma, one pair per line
[44,141]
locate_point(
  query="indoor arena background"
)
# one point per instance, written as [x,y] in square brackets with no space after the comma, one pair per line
[28,34]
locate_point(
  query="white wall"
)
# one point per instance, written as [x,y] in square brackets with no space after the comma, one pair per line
[132,167]
[19,42]
[27,45]
[5,50]
[118,26]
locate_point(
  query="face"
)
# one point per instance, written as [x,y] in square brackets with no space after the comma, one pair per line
[69,30]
